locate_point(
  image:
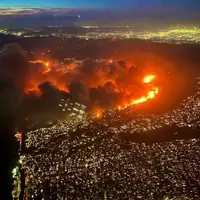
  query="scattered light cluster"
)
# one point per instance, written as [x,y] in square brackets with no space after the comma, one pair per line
[175,34]
[12,32]
[89,159]
[99,167]
[187,115]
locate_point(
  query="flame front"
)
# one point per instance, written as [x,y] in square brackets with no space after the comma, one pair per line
[150,95]
[148,79]
[46,64]
[109,76]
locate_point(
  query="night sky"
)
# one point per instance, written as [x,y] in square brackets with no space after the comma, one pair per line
[115,4]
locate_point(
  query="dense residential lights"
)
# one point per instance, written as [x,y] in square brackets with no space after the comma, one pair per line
[168,34]
[97,157]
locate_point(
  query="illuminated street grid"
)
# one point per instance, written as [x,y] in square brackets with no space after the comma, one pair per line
[88,159]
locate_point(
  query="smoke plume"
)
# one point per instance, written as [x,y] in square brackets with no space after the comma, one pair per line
[96,83]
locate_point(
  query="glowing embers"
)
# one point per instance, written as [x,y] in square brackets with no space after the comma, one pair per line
[98,115]
[46,64]
[148,79]
[150,95]
[104,83]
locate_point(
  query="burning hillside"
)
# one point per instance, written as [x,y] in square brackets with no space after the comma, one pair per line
[103,76]
[102,84]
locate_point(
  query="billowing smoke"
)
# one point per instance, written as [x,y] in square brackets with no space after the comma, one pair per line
[12,63]
[13,73]
[78,92]
[104,83]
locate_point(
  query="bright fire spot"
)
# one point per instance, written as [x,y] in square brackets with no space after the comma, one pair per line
[47,64]
[140,100]
[98,115]
[47,67]
[148,79]
[150,95]
[110,61]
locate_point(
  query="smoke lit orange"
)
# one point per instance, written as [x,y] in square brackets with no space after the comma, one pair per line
[99,76]
[47,68]
[47,73]
[150,95]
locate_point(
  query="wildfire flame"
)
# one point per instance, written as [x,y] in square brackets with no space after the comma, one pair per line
[98,114]
[45,76]
[46,64]
[148,79]
[110,61]
[52,73]
[150,95]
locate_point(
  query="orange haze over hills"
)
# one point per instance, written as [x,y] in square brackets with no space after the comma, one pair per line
[150,95]
[61,75]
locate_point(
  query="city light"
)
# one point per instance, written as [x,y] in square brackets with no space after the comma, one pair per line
[95,151]
[177,34]
[90,122]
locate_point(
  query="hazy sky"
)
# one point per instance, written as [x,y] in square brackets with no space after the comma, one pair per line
[191,4]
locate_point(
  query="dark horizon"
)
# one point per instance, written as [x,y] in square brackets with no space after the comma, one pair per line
[53,16]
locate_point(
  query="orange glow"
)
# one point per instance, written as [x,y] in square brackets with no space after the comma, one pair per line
[40,61]
[61,75]
[148,79]
[119,107]
[140,100]
[46,64]
[150,95]
[48,73]
[98,115]
[110,61]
